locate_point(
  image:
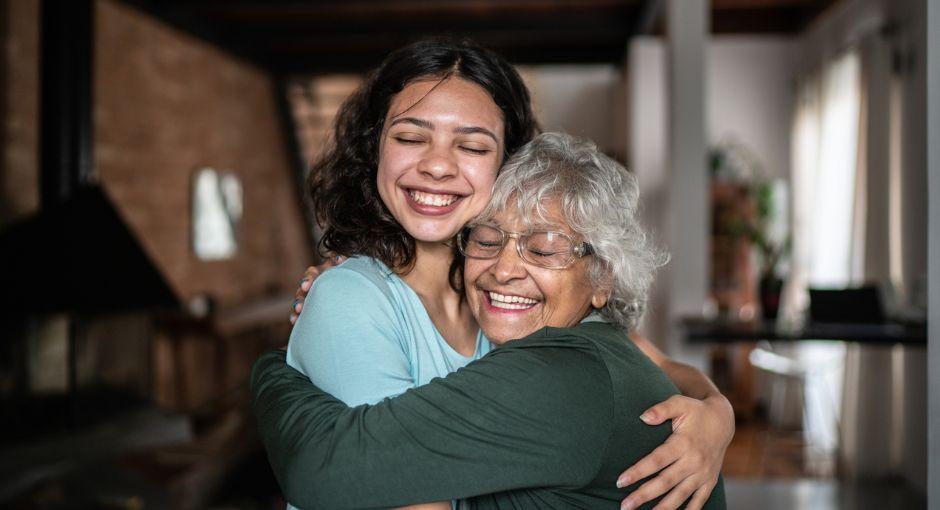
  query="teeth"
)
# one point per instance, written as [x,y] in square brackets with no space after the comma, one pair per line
[432,198]
[511,302]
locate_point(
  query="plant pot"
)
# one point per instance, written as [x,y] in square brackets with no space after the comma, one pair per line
[770,290]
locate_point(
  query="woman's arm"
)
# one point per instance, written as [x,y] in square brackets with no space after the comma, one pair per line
[498,424]
[689,462]
[349,342]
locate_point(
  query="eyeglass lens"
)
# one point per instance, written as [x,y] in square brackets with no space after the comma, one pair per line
[546,249]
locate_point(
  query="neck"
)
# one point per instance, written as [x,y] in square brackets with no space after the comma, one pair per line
[446,307]
[429,274]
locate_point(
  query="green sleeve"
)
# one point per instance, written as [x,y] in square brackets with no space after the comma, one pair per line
[534,416]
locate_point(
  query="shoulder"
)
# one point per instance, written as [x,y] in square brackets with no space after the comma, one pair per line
[560,359]
[351,337]
[585,339]
[603,339]
[354,297]
[590,354]
[360,280]
[359,272]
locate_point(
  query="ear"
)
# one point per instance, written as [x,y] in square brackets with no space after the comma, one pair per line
[599,297]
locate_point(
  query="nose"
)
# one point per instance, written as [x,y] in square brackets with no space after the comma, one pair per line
[438,163]
[508,265]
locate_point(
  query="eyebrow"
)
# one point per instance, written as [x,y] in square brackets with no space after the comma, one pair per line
[471,130]
[467,130]
[411,120]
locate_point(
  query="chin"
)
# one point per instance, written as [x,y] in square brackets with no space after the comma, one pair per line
[434,233]
[498,340]
[501,337]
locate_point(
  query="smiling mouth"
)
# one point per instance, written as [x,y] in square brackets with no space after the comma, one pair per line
[507,302]
[432,199]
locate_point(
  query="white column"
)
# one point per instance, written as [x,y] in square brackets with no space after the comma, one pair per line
[933,260]
[688,232]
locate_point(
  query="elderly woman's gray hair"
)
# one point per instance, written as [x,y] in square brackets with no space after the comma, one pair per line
[599,200]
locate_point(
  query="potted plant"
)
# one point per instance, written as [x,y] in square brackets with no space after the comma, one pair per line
[760,220]
[768,234]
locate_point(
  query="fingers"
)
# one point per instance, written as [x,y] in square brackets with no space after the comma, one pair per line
[297,305]
[306,282]
[701,496]
[664,455]
[677,495]
[310,275]
[670,409]
[652,489]
[301,293]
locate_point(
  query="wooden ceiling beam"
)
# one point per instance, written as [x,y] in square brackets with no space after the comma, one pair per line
[306,36]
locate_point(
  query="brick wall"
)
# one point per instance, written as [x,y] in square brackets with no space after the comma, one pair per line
[168,104]
[19,109]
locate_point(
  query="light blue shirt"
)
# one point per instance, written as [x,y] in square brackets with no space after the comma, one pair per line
[364,335]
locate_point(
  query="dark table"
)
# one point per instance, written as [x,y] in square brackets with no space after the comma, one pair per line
[698,330]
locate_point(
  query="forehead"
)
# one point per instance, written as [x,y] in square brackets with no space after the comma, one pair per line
[546,215]
[452,98]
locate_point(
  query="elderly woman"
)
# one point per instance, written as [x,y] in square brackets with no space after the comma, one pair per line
[557,261]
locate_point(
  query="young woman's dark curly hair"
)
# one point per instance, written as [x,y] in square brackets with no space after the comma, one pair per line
[342,183]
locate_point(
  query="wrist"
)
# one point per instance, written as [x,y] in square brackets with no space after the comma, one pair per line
[722,406]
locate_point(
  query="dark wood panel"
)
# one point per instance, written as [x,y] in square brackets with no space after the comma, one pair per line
[290,36]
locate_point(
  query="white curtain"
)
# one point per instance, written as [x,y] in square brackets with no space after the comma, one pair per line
[826,137]
[826,244]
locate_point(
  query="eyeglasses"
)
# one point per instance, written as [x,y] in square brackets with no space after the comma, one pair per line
[551,250]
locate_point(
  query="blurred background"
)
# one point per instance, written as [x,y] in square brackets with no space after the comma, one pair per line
[153,226]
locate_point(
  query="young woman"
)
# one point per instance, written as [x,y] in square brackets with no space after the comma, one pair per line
[415,154]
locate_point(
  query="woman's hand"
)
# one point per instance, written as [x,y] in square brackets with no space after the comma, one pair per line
[690,460]
[306,282]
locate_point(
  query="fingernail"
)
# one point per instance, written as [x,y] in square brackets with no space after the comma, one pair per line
[293,318]
[626,505]
[295,303]
[303,281]
[623,481]
[647,417]
[305,285]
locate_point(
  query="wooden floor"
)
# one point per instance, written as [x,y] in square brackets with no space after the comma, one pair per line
[760,452]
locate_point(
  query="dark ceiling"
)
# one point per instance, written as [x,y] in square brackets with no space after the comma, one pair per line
[315,36]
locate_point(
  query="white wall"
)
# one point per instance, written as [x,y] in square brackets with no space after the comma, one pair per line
[583,100]
[749,84]
[750,96]
[646,78]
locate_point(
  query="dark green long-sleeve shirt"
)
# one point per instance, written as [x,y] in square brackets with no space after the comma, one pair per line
[545,422]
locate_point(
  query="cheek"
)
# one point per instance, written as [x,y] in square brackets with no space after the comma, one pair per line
[383,183]
[482,175]
[472,269]
[568,295]
[389,171]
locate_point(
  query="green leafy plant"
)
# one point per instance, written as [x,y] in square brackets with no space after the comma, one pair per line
[733,162]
